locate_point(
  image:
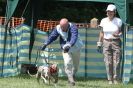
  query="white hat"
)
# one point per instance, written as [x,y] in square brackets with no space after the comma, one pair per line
[111,7]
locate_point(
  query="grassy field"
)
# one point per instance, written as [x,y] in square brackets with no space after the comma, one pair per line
[24,81]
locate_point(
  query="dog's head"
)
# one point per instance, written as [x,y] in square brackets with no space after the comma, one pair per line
[53,68]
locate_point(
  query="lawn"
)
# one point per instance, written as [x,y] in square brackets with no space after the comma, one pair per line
[24,81]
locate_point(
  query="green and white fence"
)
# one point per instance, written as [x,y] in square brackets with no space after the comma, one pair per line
[128,57]
[16,49]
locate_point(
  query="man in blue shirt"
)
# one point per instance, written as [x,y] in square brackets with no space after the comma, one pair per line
[70,44]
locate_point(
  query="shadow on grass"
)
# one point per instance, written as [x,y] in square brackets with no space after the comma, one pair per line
[85,82]
[64,78]
[84,79]
[24,76]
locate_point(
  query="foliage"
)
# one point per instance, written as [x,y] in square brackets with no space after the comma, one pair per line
[80,11]
[74,11]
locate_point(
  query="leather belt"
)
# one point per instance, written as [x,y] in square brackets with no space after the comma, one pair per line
[110,40]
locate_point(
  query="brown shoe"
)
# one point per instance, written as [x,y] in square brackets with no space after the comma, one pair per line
[72,83]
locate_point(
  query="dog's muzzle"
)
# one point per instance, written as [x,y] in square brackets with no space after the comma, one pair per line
[46,77]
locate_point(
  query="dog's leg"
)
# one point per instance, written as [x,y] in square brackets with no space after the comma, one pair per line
[44,79]
[38,76]
[49,79]
[55,78]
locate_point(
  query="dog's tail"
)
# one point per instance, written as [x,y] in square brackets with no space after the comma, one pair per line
[30,74]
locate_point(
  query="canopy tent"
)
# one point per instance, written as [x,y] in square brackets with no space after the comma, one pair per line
[122,7]
[11,6]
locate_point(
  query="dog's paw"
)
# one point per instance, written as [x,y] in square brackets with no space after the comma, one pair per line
[44,80]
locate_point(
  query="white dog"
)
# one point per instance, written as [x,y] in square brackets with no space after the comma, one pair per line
[47,73]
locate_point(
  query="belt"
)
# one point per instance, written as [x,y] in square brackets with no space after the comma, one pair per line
[110,40]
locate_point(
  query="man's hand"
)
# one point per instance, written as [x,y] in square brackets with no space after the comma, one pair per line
[99,47]
[66,49]
[43,47]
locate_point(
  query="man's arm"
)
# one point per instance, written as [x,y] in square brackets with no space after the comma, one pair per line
[53,36]
[74,35]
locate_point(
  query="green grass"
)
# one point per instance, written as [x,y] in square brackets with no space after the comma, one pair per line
[24,81]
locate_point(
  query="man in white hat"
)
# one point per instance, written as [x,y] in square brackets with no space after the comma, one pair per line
[109,38]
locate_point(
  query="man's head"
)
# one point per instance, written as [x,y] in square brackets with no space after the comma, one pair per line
[111,11]
[64,24]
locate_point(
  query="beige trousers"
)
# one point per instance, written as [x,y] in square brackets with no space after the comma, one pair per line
[112,54]
[71,62]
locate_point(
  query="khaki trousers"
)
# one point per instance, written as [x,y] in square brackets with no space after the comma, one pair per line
[112,54]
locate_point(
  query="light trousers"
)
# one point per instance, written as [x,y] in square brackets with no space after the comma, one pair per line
[71,62]
[112,54]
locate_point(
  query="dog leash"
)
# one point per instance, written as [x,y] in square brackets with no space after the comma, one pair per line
[38,56]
